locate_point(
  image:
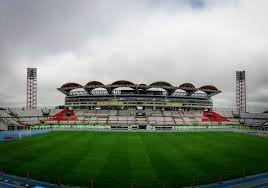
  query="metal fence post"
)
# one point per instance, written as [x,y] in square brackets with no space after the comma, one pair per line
[91,185]
[193,183]
[220,180]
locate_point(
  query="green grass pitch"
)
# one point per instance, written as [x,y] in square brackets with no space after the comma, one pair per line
[114,159]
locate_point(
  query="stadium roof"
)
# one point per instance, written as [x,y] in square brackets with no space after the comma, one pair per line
[160,84]
[189,88]
[66,88]
[94,83]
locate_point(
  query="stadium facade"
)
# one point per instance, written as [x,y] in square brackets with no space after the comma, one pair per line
[124,94]
[128,106]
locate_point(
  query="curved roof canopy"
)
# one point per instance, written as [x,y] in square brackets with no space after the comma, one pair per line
[209,89]
[188,87]
[160,84]
[70,85]
[122,83]
[94,83]
[66,88]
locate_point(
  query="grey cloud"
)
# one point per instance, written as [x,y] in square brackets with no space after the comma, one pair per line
[196,41]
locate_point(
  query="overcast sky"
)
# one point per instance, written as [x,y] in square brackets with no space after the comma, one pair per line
[198,41]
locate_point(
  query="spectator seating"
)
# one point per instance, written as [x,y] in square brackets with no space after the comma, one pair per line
[126,112]
[26,112]
[178,121]
[22,117]
[189,120]
[141,120]
[187,113]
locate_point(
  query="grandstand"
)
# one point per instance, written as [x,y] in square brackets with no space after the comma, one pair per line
[124,104]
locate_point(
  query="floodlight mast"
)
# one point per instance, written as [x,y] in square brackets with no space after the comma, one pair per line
[241,91]
[31,90]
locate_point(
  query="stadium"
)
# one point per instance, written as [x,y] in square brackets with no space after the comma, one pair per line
[125,105]
[133,94]
[125,134]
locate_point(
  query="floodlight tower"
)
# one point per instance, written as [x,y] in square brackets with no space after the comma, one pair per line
[31,99]
[241,91]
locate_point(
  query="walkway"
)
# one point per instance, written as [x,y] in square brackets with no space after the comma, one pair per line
[255,181]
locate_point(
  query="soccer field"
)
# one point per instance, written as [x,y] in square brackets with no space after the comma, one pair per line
[114,159]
